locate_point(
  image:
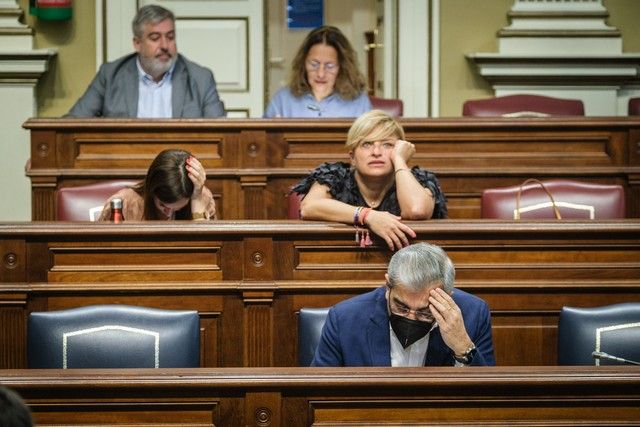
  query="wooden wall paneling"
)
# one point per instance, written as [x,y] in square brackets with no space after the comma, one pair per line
[257,293]
[14,260]
[277,149]
[13,325]
[43,197]
[258,327]
[308,149]
[284,349]
[633,145]
[345,260]
[253,149]
[136,150]
[485,149]
[115,260]
[286,257]
[263,408]
[231,191]
[255,199]
[232,339]
[232,259]
[525,338]
[258,257]
[295,397]
[467,154]
[210,350]
[43,148]
[69,149]
[251,286]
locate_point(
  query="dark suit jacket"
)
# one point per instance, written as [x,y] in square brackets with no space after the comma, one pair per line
[356,333]
[114,91]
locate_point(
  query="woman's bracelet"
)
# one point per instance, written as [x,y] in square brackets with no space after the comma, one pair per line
[363,216]
[356,216]
[401,169]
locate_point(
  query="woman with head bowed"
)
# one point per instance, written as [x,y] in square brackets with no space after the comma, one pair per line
[378,189]
[173,189]
[325,80]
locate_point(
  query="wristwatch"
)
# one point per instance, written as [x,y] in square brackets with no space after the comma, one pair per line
[467,357]
[199,215]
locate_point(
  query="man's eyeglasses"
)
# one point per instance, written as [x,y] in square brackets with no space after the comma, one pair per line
[404,311]
[329,67]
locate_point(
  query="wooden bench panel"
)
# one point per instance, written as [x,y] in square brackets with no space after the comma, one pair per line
[249,279]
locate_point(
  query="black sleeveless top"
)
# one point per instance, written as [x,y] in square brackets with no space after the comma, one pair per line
[343,187]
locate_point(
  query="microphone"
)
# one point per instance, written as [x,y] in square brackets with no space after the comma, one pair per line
[313,107]
[606,356]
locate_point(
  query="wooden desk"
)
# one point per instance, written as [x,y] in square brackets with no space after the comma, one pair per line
[560,396]
[249,279]
[251,164]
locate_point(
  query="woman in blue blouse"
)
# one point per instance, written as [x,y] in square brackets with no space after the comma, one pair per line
[325,80]
[377,190]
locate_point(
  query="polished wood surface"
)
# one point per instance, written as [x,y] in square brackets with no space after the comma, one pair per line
[251,164]
[249,279]
[532,396]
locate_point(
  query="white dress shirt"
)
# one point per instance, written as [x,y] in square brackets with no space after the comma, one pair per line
[154,98]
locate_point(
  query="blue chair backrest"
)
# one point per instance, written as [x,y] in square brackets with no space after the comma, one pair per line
[612,329]
[310,323]
[113,336]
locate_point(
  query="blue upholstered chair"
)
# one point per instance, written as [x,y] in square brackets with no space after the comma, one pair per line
[113,336]
[612,329]
[310,323]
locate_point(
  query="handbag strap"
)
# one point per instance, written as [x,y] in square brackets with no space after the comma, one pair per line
[556,211]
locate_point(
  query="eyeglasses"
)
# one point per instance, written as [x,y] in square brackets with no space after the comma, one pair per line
[382,145]
[329,67]
[404,311]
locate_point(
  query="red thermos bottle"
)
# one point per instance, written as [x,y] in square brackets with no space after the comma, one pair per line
[116,211]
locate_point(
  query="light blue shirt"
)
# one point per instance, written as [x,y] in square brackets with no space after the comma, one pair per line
[154,99]
[284,104]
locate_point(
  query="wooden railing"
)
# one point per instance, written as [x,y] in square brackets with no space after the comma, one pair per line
[251,164]
[248,279]
[292,397]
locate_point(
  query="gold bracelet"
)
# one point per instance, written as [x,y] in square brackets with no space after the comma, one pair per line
[401,169]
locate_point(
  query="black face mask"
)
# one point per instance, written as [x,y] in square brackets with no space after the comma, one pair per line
[408,331]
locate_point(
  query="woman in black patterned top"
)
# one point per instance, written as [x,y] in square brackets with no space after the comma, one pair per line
[378,189]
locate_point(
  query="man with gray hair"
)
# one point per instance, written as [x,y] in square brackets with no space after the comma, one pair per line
[153,82]
[416,319]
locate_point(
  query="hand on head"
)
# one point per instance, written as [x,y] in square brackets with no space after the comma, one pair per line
[390,229]
[403,151]
[197,175]
[450,321]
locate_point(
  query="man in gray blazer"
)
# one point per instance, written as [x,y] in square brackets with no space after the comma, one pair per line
[153,82]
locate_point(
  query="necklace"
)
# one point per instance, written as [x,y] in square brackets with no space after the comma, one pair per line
[375,202]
